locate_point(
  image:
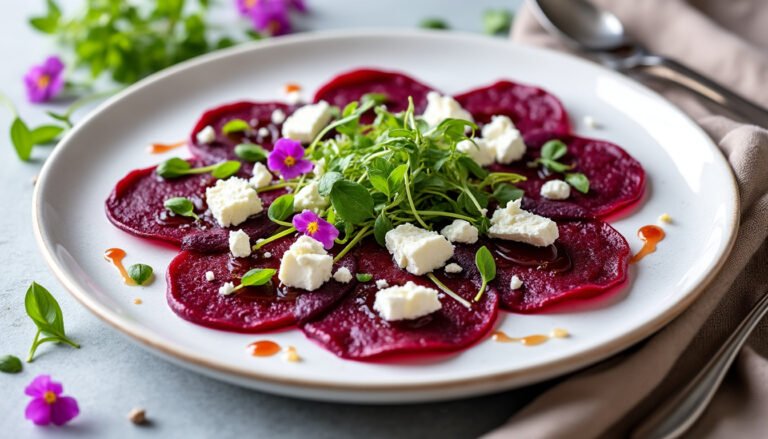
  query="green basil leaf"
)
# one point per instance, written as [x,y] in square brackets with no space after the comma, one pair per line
[173,168]
[364,277]
[45,134]
[21,138]
[235,126]
[473,168]
[181,206]
[497,21]
[553,150]
[578,181]
[257,277]
[140,273]
[251,153]
[396,177]
[44,310]
[352,202]
[226,169]
[381,226]
[281,208]
[486,265]
[10,364]
[325,185]
[379,182]
[504,193]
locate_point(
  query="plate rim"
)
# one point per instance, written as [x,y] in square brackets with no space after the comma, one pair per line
[535,373]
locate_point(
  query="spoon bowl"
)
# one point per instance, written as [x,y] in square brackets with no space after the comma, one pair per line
[581,24]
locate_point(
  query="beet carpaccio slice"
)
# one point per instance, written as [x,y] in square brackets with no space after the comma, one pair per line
[397,87]
[254,309]
[616,179]
[354,330]
[588,259]
[257,114]
[530,108]
[136,205]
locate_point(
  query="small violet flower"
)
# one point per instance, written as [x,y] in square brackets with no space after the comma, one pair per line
[271,16]
[310,224]
[47,404]
[287,158]
[45,81]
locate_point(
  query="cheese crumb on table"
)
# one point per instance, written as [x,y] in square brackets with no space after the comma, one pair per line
[138,416]
[206,135]
[417,250]
[305,265]
[232,201]
[239,244]
[406,302]
[555,190]
[515,224]
[460,231]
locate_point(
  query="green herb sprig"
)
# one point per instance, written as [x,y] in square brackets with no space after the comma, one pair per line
[181,206]
[176,167]
[251,153]
[140,273]
[551,153]
[256,277]
[486,265]
[46,314]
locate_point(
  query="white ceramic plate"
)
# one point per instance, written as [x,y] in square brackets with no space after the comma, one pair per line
[688,178]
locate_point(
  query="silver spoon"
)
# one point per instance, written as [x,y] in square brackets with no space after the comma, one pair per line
[585,27]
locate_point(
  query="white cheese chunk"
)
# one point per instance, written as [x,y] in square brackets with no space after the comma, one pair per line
[555,190]
[343,275]
[515,283]
[441,107]
[453,268]
[261,176]
[278,116]
[515,224]
[309,198]
[239,244]
[267,255]
[306,122]
[263,132]
[305,265]
[460,231]
[406,302]
[293,97]
[479,151]
[227,289]
[232,201]
[381,283]
[209,276]
[417,250]
[206,135]
[502,137]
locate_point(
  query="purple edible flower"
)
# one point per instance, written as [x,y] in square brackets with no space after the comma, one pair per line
[310,224]
[271,16]
[47,404]
[45,81]
[287,159]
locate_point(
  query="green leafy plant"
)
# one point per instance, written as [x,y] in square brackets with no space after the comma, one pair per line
[235,126]
[551,153]
[46,314]
[10,364]
[251,152]
[487,268]
[140,273]
[497,21]
[433,23]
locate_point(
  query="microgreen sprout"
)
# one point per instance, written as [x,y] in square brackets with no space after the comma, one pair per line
[487,268]
[235,126]
[364,277]
[140,273]
[256,277]
[551,153]
[251,153]
[176,167]
[181,206]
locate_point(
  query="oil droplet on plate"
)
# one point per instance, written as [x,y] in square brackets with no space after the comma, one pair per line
[137,301]
[263,348]
[650,235]
[159,148]
[291,355]
[530,340]
[115,257]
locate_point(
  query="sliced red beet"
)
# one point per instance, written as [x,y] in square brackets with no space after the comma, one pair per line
[397,87]
[530,108]
[354,330]
[136,206]
[254,309]
[590,258]
[257,114]
[616,179]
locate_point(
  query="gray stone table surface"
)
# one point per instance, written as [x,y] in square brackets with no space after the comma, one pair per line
[110,375]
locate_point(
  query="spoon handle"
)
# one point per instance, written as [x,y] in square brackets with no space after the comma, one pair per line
[698,83]
[677,415]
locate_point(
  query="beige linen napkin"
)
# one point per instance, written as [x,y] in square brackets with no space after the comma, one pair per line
[728,41]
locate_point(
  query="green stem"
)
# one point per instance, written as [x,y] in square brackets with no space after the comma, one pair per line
[449,291]
[276,186]
[33,348]
[272,238]
[282,223]
[482,290]
[9,103]
[472,197]
[360,235]
[355,115]
[447,214]
[406,183]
